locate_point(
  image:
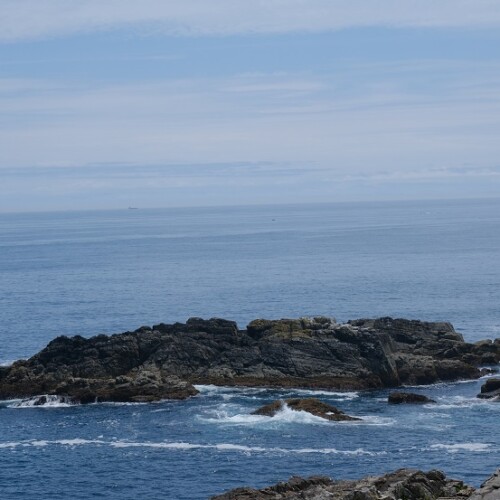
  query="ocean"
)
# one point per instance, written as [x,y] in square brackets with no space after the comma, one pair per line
[110,271]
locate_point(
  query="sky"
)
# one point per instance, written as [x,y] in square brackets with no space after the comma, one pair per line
[117,103]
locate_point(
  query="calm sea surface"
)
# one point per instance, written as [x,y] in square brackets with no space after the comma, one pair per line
[105,272]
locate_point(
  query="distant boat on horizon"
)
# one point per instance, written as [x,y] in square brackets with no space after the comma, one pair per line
[133,208]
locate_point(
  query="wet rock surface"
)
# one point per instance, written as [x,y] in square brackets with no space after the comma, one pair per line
[490,389]
[405,484]
[164,361]
[408,398]
[310,405]
[490,489]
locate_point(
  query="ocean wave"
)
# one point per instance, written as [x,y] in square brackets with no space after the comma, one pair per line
[341,396]
[441,384]
[228,392]
[284,416]
[371,420]
[457,447]
[210,389]
[184,446]
[451,402]
[43,401]
[39,443]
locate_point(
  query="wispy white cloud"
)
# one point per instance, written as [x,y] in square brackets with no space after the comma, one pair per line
[31,19]
[359,129]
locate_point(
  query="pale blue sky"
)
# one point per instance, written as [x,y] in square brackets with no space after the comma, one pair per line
[107,103]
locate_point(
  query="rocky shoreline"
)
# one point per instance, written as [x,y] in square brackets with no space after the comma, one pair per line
[407,484]
[166,361]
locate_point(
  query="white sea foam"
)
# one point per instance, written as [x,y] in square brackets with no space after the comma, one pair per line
[43,401]
[211,390]
[320,392]
[241,448]
[147,444]
[489,375]
[284,416]
[13,444]
[334,451]
[8,402]
[458,402]
[371,420]
[183,446]
[123,403]
[78,442]
[455,448]
[228,392]
[440,384]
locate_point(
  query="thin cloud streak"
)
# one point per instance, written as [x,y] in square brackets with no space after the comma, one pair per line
[360,128]
[36,19]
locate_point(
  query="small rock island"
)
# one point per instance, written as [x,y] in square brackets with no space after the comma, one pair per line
[167,360]
[309,405]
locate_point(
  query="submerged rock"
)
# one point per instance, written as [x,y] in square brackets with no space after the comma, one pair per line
[408,398]
[490,389]
[405,484]
[166,360]
[310,405]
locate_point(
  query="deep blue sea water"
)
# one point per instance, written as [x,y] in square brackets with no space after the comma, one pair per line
[106,272]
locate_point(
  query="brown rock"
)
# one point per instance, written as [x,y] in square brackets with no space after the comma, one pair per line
[408,398]
[310,405]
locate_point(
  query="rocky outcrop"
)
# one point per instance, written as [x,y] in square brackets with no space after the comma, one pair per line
[397,398]
[310,405]
[166,360]
[490,489]
[404,483]
[490,389]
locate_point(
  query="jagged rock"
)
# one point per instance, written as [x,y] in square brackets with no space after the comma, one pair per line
[490,389]
[309,405]
[403,483]
[140,386]
[165,360]
[490,489]
[408,397]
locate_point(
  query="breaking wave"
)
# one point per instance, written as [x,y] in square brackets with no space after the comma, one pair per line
[340,396]
[214,390]
[459,402]
[457,447]
[43,401]
[284,416]
[224,447]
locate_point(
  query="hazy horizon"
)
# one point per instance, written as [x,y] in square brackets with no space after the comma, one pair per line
[109,104]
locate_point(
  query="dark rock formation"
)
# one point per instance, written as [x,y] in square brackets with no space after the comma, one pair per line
[405,484]
[165,360]
[309,405]
[408,397]
[490,389]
